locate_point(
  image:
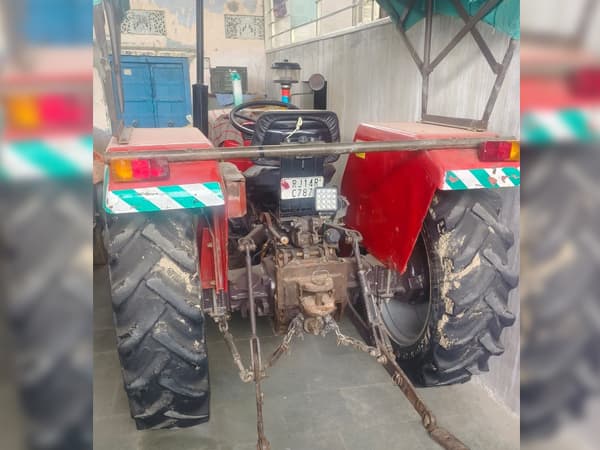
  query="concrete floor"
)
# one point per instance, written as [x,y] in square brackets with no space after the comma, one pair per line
[319,397]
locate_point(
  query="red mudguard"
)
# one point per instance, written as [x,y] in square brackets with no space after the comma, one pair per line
[390,192]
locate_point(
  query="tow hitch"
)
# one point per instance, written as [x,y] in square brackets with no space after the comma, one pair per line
[324,325]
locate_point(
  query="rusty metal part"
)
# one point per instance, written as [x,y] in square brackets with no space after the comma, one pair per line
[282,239]
[296,329]
[318,305]
[245,375]
[348,341]
[247,246]
[314,325]
[440,435]
[317,297]
[293,150]
[295,274]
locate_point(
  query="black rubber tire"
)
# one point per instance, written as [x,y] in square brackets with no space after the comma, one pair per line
[47,284]
[470,280]
[560,329]
[158,318]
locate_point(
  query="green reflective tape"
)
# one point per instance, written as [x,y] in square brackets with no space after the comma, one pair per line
[577,123]
[181,196]
[454,182]
[534,132]
[39,154]
[134,199]
[514,174]
[483,177]
[215,187]
[88,142]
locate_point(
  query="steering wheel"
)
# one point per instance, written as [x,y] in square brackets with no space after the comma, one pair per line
[236,113]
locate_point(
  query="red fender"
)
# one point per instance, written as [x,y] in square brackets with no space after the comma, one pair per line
[390,192]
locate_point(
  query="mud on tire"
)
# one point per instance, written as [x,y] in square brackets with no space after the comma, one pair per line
[158,319]
[466,246]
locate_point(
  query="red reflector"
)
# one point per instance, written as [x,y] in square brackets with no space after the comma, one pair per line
[586,82]
[495,151]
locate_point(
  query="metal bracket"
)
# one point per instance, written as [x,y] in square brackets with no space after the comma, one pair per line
[426,66]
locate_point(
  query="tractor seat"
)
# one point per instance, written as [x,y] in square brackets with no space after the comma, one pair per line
[279,127]
[274,127]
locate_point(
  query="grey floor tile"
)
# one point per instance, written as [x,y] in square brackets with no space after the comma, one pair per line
[401,436]
[307,440]
[105,340]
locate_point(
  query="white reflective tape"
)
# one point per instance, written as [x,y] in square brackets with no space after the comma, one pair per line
[593,116]
[115,205]
[17,166]
[554,124]
[468,179]
[203,194]
[158,198]
[74,150]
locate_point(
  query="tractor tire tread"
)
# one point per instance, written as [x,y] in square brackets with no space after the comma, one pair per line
[159,323]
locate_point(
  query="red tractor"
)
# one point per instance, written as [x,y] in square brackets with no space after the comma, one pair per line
[411,245]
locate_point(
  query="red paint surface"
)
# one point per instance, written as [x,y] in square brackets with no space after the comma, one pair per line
[212,250]
[242,164]
[549,77]
[390,192]
[552,93]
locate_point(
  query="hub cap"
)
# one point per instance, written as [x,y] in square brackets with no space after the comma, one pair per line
[405,312]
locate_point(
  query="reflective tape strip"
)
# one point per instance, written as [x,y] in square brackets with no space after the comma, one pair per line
[164,198]
[46,158]
[567,125]
[498,177]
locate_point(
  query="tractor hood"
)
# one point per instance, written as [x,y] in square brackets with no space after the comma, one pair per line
[504,17]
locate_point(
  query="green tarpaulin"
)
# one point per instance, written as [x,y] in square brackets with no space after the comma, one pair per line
[504,17]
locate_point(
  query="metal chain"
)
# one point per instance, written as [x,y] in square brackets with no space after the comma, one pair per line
[245,375]
[348,341]
[296,328]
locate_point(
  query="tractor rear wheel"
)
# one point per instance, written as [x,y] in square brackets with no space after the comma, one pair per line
[158,318]
[447,319]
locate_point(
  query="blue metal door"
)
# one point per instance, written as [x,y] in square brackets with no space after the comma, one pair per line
[156,90]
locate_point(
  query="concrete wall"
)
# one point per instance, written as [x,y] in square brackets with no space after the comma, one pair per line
[373,78]
[180,40]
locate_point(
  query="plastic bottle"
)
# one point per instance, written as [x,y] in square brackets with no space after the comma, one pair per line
[236,81]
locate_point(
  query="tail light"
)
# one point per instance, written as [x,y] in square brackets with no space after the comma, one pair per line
[500,151]
[586,82]
[139,169]
[29,112]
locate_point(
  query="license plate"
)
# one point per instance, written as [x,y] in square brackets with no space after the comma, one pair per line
[301,187]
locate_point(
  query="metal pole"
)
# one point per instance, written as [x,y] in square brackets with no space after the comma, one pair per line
[293,150]
[200,90]
[426,58]
[200,41]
